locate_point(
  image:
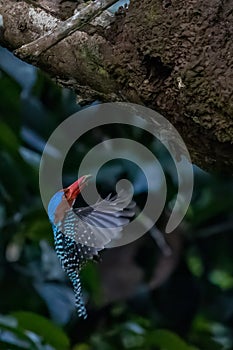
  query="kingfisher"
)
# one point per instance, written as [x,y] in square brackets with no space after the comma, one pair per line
[80,233]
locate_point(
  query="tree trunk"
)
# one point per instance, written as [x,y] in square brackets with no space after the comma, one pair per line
[173,56]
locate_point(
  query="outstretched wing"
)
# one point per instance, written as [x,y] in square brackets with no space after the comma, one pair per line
[97,225]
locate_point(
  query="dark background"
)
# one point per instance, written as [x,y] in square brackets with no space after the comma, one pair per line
[137,298]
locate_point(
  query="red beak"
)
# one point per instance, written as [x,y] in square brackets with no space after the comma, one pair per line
[75,188]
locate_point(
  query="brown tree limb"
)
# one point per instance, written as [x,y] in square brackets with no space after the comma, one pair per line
[175,57]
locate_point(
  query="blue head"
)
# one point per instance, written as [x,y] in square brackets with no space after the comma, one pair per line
[53,205]
[64,199]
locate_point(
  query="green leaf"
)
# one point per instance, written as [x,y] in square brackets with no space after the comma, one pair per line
[82,347]
[13,335]
[10,101]
[91,281]
[221,279]
[8,139]
[51,334]
[167,340]
[4,345]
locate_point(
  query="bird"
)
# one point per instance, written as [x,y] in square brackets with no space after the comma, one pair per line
[80,233]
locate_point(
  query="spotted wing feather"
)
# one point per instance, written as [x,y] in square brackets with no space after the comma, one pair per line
[97,225]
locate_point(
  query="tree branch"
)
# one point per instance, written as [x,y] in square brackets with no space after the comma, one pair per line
[63,29]
[176,59]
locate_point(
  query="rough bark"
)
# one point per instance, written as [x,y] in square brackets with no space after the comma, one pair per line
[175,57]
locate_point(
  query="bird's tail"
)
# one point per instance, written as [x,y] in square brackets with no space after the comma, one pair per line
[74,277]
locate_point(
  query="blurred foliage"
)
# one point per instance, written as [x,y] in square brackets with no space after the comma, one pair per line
[192,308]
